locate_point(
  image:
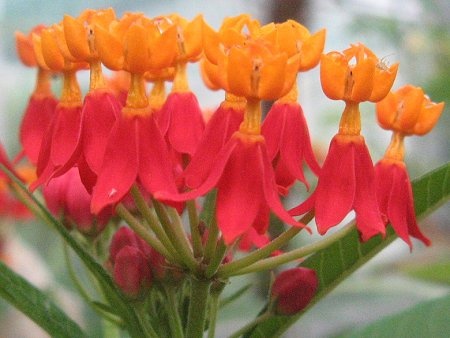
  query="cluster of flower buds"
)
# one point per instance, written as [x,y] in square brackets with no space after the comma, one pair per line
[91,151]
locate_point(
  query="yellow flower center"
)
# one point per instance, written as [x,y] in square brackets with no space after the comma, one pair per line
[396,149]
[71,93]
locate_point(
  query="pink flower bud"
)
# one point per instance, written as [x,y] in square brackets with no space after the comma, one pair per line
[123,237]
[131,271]
[293,289]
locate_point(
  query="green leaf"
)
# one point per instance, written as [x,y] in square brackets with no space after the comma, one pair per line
[36,305]
[336,262]
[437,272]
[115,297]
[427,319]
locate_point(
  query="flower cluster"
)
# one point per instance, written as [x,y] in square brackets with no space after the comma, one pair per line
[126,152]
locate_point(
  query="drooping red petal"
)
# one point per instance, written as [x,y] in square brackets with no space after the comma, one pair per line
[270,188]
[210,182]
[101,108]
[35,123]
[155,167]
[218,131]
[401,207]
[181,119]
[120,165]
[335,191]
[384,182]
[287,137]
[65,135]
[368,217]
[87,176]
[239,195]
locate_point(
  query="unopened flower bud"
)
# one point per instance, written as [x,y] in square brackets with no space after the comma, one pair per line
[131,271]
[293,290]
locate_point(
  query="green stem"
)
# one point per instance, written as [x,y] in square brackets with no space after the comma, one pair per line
[216,259]
[173,226]
[147,327]
[213,310]
[198,304]
[261,253]
[152,221]
[273,262]
[266,315]
[211,242]
[174,316]
[195,231]
[134,224]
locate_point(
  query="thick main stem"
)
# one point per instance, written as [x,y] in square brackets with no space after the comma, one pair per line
[198,304]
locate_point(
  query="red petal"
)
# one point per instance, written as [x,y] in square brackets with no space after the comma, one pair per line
[270,188]
[65,135]
[368,217]
[120,165]
[35,123]
[100,110]
[210,182]
[401,207]
[239,194]
[335,190]
[384,183]
[155,167]
[185,122]
[218,131]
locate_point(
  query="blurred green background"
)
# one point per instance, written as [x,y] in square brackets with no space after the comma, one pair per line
[415,33]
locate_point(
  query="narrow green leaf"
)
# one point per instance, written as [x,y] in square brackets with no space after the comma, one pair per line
[115,297]
[36,305]
[334,263]
[427,319]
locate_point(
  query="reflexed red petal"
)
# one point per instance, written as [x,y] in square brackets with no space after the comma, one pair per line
[287,136]
[270,187]
[155,167]
[87,176]
[210,182]
[368,217]
[251,239]
[182,120]
[65,135]
[335,192]
[120,165]
[401,207]
[272,128]
[78,202]
[218,131]
[100,110]
[384,182]
[239,195]
[35,123]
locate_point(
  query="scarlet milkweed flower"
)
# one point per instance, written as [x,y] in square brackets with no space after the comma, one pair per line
[42,103]
[242,172]
[101,107]
[407,111]
[285,128]
[136,149]
[59,149]
[347,178]
[180,118]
